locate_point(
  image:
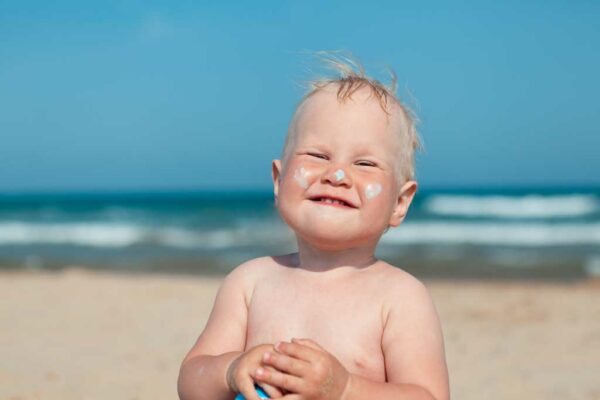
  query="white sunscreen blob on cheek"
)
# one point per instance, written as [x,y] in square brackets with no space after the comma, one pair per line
[339,175]
[300,176]
[372,190]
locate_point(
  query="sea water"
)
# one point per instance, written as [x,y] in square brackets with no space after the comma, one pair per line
[446,231]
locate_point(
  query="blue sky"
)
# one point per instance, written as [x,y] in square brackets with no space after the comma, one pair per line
[197,95]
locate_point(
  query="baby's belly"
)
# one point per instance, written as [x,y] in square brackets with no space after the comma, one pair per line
[357,347]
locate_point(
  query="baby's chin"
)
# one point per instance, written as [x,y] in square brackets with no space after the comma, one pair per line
[334,238]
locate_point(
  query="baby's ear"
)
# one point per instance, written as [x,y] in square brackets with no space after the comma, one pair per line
[276,175]
[407,193]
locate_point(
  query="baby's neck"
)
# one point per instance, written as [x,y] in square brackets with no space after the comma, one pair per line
[312,258]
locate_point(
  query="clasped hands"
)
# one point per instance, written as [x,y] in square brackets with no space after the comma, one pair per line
[296,370]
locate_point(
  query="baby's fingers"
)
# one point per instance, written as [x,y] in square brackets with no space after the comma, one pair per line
[279,379]
[272,391]
[309,343]
[246,388]
[284,363]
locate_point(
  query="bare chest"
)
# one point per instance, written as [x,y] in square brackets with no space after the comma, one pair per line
[347,321]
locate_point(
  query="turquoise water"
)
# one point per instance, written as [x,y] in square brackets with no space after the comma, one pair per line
[446,230]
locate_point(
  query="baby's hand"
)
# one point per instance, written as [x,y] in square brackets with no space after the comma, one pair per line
[306,370]
[241,370]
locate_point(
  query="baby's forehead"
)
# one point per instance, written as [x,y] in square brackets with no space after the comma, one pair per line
[358,126]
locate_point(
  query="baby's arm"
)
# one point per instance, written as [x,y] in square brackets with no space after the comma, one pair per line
[413,347]
[203,373]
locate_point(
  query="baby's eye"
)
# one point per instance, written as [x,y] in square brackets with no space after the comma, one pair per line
[365,163]
[318,155]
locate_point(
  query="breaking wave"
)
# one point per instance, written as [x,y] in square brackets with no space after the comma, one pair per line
[531,206]
[119,235]
[116,235]
[520,235]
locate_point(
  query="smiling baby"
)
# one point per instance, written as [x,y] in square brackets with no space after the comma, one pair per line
[330,321]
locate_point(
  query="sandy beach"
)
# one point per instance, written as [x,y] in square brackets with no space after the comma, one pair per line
[78,334]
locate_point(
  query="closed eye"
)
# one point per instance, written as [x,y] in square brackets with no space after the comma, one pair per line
[365,163]
[318,155]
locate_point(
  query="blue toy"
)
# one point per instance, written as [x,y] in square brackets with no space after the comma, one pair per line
[261,394]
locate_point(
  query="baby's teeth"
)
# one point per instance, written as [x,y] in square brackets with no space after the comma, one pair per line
[331,201]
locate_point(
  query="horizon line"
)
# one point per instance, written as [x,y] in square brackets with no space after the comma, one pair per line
[267,189]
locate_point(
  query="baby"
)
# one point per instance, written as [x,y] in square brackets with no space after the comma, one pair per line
[330,321]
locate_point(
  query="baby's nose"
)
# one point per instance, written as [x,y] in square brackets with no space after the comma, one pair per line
[337,177]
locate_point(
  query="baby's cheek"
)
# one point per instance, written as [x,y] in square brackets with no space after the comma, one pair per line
[295,182]
[378,200]
[301,176]
[372,190]
[304,175]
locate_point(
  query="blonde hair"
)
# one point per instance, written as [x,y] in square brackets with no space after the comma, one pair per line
[350,78]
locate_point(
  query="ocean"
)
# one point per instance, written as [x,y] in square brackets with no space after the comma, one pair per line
[551,233]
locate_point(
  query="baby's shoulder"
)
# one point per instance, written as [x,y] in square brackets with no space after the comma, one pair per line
[251,269]
[397,277]
[255,270]
[242,279]
[401,289]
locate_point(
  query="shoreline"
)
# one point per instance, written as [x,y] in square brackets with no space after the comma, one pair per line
[474,267]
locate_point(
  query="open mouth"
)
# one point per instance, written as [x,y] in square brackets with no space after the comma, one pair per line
[332,201]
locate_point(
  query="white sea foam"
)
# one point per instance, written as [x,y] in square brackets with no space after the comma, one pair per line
[533,206]
[100,235]
[520,235]
[116,235]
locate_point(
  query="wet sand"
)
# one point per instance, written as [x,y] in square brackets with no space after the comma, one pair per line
[78,334]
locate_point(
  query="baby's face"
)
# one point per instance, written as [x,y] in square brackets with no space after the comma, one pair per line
[339,187]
